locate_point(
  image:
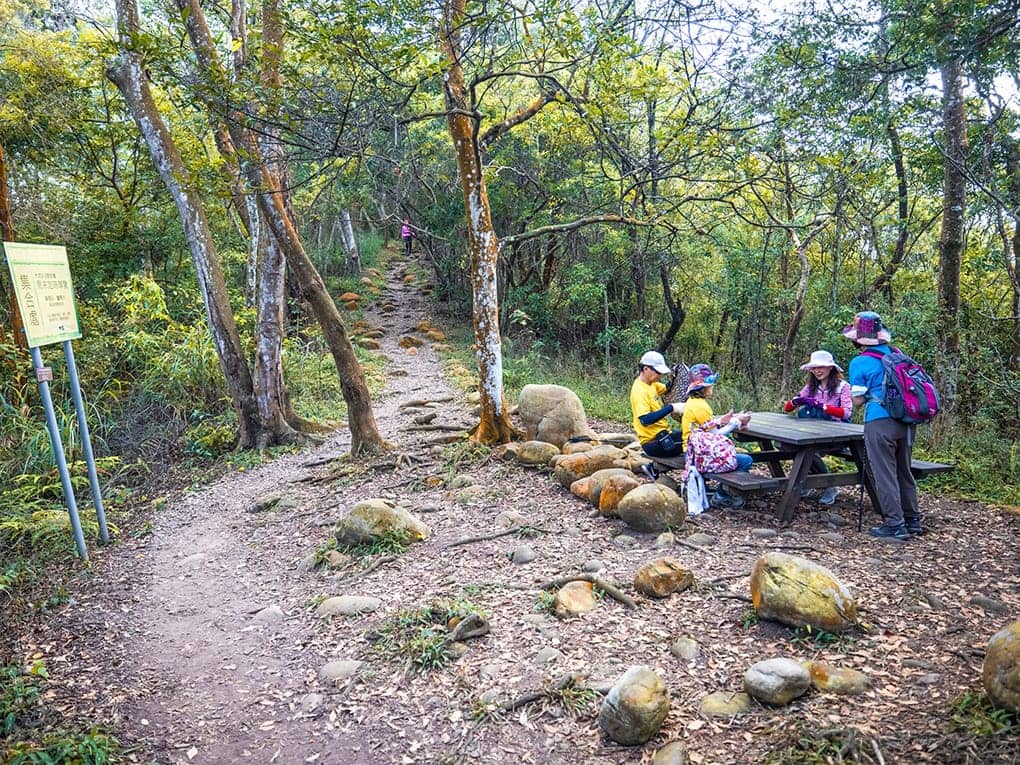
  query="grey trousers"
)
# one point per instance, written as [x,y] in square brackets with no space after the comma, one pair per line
[889,445]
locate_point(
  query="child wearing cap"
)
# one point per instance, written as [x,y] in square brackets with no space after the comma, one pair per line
[649,411]
[825,396]
[698,414]
[889,443]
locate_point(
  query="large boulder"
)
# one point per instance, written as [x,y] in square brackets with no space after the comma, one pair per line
[800,593]
[1001,671]
[372,519]
[652,507]
[572,467]
[635,707]
[552,413]
[777,681]
[663,577]
[590,487]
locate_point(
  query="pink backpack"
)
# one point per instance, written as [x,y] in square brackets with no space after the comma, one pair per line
[710,452]
[908,392]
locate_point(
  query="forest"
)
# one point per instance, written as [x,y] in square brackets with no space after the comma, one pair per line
[725,181]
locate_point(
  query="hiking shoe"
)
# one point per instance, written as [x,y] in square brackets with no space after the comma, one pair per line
[885,532]
[724,501]
[829,496]
[649,471]
[914,527]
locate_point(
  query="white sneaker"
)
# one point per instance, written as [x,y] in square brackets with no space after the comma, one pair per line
[829,495]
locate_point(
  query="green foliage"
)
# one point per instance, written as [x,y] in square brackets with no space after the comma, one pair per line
[974,715]
[19,694]
[463,455]
[420,636]
[92,747]
[24,736]
[545,601]
[392,542]
[749,619]
[210,438]
[577,700]
[813,747]
[819,638]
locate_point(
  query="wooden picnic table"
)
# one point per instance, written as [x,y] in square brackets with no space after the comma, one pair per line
[782,437]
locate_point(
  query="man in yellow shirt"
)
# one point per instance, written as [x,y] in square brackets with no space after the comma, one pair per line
[650,424]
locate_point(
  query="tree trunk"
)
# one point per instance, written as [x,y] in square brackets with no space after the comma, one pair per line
[483,244]
[128,75]
[951,237]
[677,313]
[1012,148]
[798,308]
[884,280]
[365,436]
[7,235]
[351,244]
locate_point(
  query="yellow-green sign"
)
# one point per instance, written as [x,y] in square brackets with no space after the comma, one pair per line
[42,283]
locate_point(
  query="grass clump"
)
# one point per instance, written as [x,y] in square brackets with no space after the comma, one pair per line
[814,747]
[974,715]
[25,736]
[392,542]
[749,619]
[812,637]
[421,636]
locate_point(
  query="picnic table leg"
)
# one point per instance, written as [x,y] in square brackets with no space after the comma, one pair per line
[775,467]
[859,457]
[798,473]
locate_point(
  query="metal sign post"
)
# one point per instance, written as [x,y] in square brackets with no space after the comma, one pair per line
[42,284]
[86,442]
[44,375]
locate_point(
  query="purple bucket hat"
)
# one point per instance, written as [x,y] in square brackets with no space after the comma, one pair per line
[867,329]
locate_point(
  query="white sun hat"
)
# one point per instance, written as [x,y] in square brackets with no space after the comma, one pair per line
[655,360]
[821,359]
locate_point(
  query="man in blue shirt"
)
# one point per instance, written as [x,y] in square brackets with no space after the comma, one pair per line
[889,443]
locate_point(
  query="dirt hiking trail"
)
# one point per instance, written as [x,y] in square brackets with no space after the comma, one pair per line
[200,643]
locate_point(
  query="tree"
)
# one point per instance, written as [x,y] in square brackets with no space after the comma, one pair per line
[365,437]
[127,73]
[483,244]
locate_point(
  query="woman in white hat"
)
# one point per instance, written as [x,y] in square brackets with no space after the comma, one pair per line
[825,396]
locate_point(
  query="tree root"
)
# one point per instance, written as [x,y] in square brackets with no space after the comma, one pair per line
[523,530]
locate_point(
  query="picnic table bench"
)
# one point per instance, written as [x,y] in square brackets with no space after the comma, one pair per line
[782,438]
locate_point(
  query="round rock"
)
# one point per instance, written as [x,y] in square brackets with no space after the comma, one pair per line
[724,704]
[635,707]
[1000,673]
[777,681]
[673,753]
[341,669]
[347,605]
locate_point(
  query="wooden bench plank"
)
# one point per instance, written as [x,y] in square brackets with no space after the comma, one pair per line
[747,482]
[922,469]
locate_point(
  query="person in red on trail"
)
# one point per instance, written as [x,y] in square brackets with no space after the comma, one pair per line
[407,234]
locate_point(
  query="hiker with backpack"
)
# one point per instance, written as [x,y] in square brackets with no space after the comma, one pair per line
[705,436]
[825,396]
[897,394]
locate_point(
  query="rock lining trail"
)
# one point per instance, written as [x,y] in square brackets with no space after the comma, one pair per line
[199,643]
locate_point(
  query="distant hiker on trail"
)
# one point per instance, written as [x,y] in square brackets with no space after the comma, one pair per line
[826,396]
[650,413]
[407,234]
[888,443]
